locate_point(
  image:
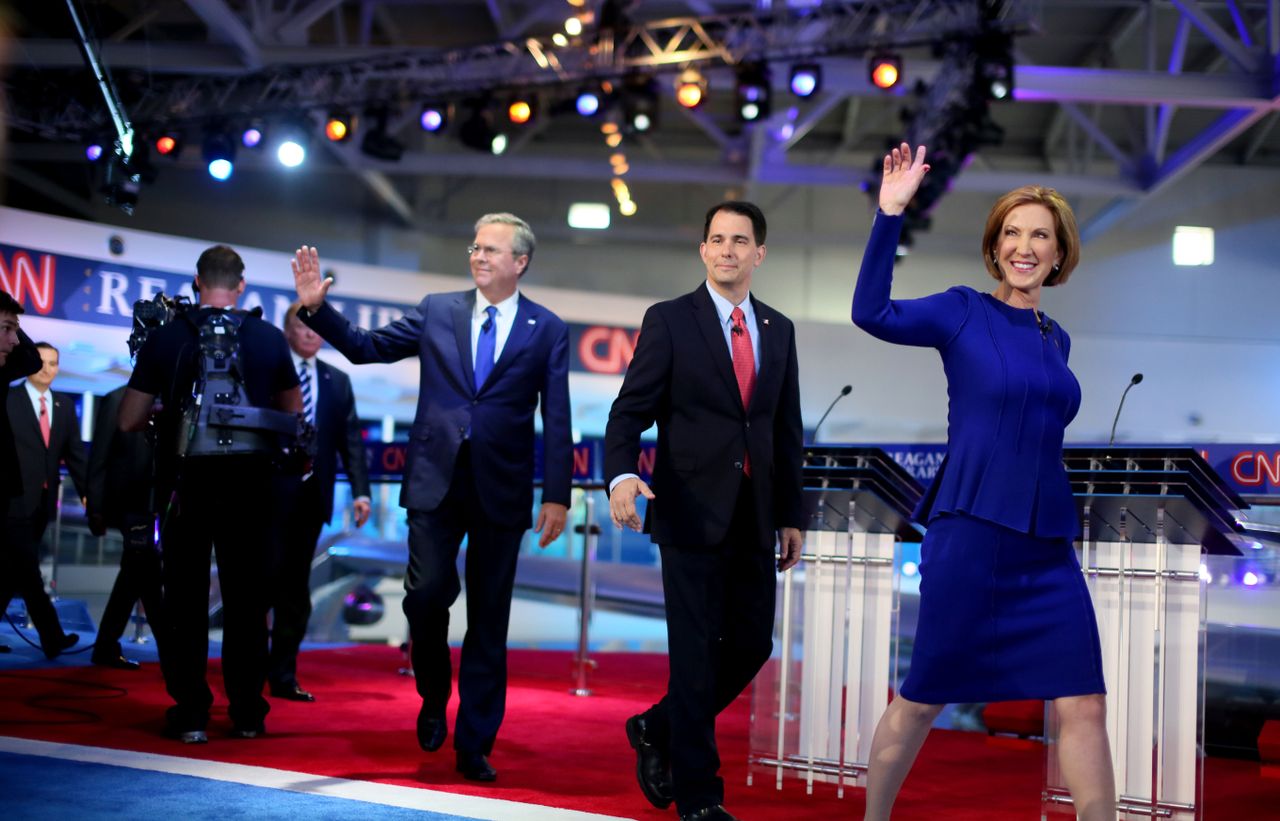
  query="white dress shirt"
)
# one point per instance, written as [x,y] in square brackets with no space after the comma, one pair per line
[35,395]
[502,323]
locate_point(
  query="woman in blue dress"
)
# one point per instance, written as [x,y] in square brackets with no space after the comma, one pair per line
[1004,611]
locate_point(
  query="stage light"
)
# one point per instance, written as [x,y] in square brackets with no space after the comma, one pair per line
[498,144]
[167,144]
[1192,245]
[884,70]
[378,142]
[613,140]
[752,92]
[627,208]
[640,102]
[910,568]
[588,103]
[617,159]
[520,112]
[994,68]
[433,118]
[362,606]
[219,152]
[93,152]
[251,137]
[806,79]
[291,150]
[691,88]
[641,122]
[1251,579]
[338,127]
[573,26]
[559,39]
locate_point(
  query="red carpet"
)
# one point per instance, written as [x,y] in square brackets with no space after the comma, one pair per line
[555,749]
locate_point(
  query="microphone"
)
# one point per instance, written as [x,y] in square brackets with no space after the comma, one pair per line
[845,391]
[1133,380]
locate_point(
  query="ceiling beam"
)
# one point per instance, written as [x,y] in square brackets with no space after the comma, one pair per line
[225,26]
[294,29]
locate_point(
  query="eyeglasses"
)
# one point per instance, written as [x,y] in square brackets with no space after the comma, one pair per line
[487,250]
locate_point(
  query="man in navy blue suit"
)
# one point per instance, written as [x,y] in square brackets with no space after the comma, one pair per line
[488,357]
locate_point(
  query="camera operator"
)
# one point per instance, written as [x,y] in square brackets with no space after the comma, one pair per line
[211,498]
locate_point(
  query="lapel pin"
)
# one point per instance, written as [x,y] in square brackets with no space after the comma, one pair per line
[766,321]
[533,322]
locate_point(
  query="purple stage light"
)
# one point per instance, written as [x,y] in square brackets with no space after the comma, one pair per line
[251,137]
[432,119]
[93,152]
[1250,579]
[805,80]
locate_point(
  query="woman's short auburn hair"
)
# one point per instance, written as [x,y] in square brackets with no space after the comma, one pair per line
[1064,227]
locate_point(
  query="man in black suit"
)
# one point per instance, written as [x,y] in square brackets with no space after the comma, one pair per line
[46,433]
[306,503]
[121,477]
[490,357]
[716,370]
[19,358]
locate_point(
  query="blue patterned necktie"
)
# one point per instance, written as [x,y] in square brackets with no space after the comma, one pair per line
[308,397]
[485,346]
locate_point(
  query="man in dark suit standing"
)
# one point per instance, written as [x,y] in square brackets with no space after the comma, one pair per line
[121,495]
[19,358]
[488,357]
[46,433]
[716,370]
[306,503]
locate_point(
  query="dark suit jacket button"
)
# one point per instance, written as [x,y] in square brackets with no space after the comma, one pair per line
[737,465]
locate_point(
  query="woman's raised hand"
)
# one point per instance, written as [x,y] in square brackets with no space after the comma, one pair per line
[902,176]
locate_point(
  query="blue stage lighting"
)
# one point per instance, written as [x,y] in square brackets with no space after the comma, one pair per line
[588,103]
[806,79]
[93,152]
[252,137]
[432,118]
[220,169]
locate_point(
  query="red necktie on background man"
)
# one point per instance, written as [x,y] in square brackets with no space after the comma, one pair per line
[44,419]
[744,368]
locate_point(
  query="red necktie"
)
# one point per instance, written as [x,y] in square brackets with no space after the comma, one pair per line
[744,368]
[44,419]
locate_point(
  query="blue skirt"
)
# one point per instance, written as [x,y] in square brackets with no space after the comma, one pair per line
[1003,616]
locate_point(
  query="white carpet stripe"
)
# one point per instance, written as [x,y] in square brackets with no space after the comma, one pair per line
[386,794]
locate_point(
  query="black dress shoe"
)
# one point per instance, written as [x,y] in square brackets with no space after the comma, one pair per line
[716,813]
[653,770]
[60,646]
[115,661]
[291,692]
[475,767]
[185,736]
[247,731]
[432,730]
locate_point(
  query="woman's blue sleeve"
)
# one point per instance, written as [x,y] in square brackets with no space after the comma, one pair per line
[930,321]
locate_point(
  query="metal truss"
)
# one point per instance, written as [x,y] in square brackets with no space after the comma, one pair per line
[271,79]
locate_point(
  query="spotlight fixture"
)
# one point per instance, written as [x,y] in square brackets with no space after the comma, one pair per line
[884,70]
[588,102]
[378,142]
[252,136]
[433,118]
[338,126]
[168,144]
[93,151]
[476,131]
[640,102]
[806,79]
[627,208]
[994,68]
[498,144]
[752,92]
[520,111]
[219,152]
[291,147]
[691,88]
[573,26]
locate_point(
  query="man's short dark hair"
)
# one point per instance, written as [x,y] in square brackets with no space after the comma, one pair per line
[747,209]
[220,267]
[9,305]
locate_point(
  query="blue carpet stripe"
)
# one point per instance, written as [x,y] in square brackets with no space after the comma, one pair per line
[44,780]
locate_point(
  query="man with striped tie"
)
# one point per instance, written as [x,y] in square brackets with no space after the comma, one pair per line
[305,504]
